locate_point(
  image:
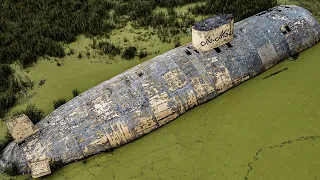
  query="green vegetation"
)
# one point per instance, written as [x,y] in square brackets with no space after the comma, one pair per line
[75,92]
[30,29]
[11,88]
[240,8]
[34,114]
[5,72]
[142,54]
[59,102]
[55,165]
[11,169]
[129,52]
[177,43]
[312,5]
[5,141]
[107,47]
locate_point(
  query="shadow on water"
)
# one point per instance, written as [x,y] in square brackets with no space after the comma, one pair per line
[275,73]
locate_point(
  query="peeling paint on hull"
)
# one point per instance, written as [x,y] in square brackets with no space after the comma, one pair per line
[156,92]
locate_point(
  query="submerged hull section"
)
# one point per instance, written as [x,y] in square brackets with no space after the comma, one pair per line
[156,92]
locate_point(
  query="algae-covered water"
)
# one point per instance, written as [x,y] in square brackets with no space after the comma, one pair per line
[262,129]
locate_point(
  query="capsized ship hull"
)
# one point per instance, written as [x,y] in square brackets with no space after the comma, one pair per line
[157,91]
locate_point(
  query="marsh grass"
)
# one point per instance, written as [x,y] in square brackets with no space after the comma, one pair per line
[11,169]
[59,102]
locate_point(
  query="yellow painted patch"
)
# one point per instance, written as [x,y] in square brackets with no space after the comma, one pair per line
[21,127]
[35,151]
[120,134]
[174,80]
[202,88]
[222,80]
[145,123]
[40,168]
[159,105]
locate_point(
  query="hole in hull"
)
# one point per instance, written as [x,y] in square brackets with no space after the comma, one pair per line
[188,52]
[229,45]
[218,50]
[287,28]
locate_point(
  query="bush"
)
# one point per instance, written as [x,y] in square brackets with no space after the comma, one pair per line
[58,103]
[142,54]
[129,52]
[5,73]
[177,43]
[295,56]
[11,169]
[7,100]
[55,165]
[30,29]
[108,48]
[5,141]
[88,53]
[75,92]
[42,81]
[34,114]
[240,8]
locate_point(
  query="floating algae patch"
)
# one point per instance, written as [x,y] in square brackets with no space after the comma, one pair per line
[229,136]
[294,156]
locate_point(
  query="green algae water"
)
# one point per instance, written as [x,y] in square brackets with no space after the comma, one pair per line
[262,129]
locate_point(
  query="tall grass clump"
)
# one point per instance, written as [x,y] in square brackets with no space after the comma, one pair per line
[75,92]
[5,141]
[11,169]
[11,88]
[129,52]
[34,114]
[59,102]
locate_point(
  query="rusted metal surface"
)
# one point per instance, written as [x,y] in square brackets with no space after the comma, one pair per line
[155,92]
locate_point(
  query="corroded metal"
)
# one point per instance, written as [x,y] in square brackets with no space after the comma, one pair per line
[156,92]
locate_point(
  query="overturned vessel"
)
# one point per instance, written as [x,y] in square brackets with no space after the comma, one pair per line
[157,91]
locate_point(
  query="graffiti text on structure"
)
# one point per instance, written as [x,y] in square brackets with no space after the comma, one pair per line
[223,34]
